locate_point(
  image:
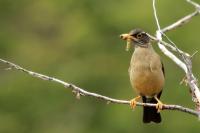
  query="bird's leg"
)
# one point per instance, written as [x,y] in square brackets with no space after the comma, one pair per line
[133,101]
[159,105]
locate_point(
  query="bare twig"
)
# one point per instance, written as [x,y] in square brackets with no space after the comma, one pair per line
[194,4]
[167,45]
[194,54]
[183,20]
[187,64]
[81,92]
[180,22]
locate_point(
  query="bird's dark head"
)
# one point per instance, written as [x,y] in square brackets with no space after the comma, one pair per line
[137,37]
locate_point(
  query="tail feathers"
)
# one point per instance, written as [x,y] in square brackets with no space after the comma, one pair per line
[150,113]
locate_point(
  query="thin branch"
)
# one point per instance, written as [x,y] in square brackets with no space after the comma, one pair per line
[183,20]
[156,17]
[194,4]
[187,64]
[81,92]
[162,47]
[180,22]
[167,45]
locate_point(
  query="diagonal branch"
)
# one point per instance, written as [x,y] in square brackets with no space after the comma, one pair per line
[81,92]
[194,4]
[183,20]
[180,22]
[167,45]
[186,64]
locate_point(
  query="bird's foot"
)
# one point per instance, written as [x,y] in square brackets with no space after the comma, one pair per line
[159,105]
[134,101]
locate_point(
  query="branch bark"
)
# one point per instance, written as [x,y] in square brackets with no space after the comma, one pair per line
[81,92]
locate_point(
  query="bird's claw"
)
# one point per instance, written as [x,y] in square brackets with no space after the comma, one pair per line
[134,101]
[159,106]
[133,104]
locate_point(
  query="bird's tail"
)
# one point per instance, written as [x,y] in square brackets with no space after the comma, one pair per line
[150,113]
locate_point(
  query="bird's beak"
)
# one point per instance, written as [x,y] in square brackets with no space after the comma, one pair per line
[129,40]
[126,37]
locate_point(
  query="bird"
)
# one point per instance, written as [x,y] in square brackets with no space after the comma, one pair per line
[146,72]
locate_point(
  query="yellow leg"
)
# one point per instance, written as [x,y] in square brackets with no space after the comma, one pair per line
[133,102]
[159,105]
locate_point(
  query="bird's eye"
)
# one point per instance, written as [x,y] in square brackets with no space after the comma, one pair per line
[139,36]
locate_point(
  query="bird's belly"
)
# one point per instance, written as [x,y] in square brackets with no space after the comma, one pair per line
[146,82]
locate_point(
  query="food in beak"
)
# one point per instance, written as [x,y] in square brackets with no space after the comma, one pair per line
[129,39]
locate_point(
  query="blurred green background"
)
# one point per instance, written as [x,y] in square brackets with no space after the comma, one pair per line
[78,41]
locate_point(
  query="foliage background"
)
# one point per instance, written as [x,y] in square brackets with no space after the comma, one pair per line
[78,41]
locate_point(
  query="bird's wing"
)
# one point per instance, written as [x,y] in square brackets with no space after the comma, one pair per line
[163,69]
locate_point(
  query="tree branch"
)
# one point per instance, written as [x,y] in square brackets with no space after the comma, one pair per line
[180,22]
[183,20]
[81,92]
[186,64]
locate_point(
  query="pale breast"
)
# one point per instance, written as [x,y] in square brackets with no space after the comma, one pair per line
[146,75]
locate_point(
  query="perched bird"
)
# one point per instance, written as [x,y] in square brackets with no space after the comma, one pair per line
[146,73]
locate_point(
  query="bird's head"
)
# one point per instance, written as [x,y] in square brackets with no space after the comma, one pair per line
[137,37]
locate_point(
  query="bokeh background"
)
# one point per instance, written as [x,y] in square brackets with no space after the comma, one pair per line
[78,41]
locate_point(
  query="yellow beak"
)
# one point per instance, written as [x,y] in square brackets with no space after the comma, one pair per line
[129,40]
[126,37]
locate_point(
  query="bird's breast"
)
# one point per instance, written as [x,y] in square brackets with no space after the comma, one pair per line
[145,72]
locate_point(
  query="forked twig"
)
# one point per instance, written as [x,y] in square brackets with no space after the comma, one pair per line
[185,63]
